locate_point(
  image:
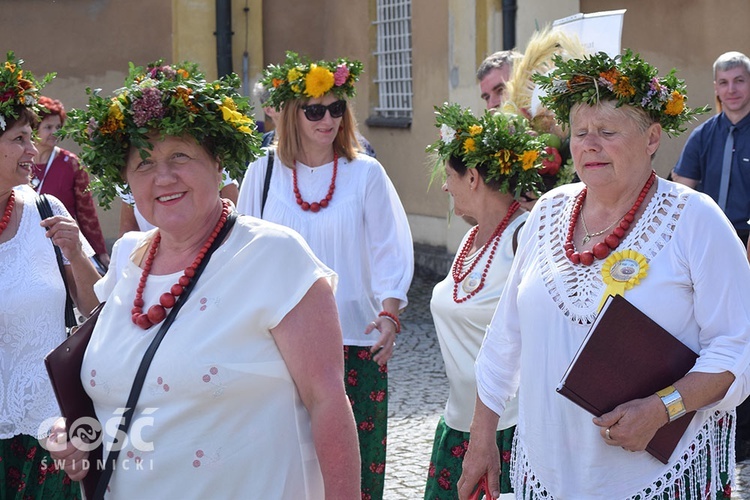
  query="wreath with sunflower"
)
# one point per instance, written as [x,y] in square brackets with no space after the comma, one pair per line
[299,78]
[502,142]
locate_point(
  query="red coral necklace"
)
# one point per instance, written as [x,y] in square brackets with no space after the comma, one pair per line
[8,211]
[494,240]
[157,312]
[602,249]
[317,205]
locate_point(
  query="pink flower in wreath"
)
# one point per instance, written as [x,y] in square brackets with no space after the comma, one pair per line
[341,74]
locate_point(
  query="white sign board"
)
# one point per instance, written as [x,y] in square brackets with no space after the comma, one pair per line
[598,31]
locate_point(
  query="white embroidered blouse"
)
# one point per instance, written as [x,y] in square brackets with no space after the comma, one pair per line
[697,288]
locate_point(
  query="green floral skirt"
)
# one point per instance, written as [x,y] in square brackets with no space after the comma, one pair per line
[27,472]
[447,460]
[367,388]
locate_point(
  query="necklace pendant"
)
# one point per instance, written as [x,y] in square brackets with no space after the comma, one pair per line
[471,282]
[586,239]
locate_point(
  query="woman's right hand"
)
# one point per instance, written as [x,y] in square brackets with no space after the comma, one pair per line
[66,452]
[482,457]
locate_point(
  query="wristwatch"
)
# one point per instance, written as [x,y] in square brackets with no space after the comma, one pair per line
[672,400]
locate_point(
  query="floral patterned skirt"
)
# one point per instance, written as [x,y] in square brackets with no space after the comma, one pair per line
[367,388]
[447,460]
[28,472]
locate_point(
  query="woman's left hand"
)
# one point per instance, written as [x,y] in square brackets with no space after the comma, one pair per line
[383,348]
[64,233]
[633,424]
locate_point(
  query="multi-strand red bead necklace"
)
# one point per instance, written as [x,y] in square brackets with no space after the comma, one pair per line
[157,312]
[317,205]
[8,211]
[493,241]
[602,249]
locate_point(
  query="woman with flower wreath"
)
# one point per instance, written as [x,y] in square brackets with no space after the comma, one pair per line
[488,163]
[342,202]
[231,406]
[32,305]
[58,172]
[690,276]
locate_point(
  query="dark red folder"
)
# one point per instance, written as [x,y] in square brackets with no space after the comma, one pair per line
[627,356]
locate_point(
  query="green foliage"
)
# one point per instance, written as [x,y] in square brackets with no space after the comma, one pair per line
[18,88]
[502,143]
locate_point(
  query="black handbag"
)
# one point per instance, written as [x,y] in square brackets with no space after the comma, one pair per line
[64,368]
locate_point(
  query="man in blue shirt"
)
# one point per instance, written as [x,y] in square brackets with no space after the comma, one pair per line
[700,165]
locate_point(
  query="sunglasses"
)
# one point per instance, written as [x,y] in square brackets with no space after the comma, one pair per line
[316,112]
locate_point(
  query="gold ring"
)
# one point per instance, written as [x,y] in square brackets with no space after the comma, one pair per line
[606,433]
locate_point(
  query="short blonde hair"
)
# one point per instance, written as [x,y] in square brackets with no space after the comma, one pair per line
[289,141]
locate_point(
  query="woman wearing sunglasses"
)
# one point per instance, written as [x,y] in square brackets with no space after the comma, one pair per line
[342,202]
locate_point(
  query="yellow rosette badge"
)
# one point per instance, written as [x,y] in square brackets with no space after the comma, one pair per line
[622,271]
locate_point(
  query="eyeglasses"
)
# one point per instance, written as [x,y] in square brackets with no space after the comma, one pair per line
[316,112]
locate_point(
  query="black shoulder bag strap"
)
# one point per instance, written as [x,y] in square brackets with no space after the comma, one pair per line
[266,182]
[140,375]
[45,212]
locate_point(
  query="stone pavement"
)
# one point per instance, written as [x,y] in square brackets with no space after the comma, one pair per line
[418,390]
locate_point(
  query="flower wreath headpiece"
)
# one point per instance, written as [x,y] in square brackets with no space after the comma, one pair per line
[172,100]
[300,79]
[626,79]
[499,141]
[18,88]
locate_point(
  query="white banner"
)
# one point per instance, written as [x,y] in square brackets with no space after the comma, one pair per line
[598,31]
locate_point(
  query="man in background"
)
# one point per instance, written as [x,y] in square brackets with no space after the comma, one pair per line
[713,163]
[492,74]
[716,161]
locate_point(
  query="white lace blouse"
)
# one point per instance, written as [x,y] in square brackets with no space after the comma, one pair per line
[32,322]
[697,288]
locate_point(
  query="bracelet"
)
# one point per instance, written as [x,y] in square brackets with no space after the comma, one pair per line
[393,318]
[673,403]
